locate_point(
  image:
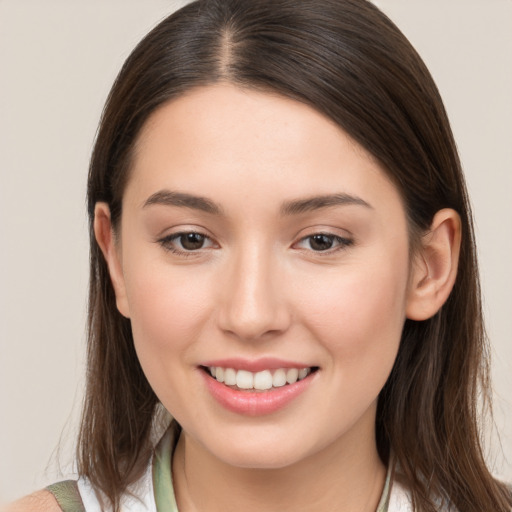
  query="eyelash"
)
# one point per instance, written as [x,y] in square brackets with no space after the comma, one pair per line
[168,243]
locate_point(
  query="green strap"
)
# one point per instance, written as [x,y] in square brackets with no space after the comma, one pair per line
[162,475]
[67,495]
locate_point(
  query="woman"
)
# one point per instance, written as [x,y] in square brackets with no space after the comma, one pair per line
[282,257]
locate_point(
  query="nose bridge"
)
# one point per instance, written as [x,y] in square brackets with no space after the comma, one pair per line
[254,302]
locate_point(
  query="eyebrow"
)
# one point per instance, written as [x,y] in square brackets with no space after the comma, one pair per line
[295,207]
[318,202]
[182,199]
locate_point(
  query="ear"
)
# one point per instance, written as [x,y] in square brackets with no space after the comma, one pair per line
[110,248]
[435,266]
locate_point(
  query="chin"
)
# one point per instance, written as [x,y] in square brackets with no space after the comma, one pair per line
[275,454]
[265,458]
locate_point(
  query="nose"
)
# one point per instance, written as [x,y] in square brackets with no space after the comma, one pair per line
[253,304]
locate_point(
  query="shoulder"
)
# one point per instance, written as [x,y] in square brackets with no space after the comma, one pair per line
[40,501]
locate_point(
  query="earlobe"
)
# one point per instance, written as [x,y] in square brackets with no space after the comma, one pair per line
[105,237]
[435,266]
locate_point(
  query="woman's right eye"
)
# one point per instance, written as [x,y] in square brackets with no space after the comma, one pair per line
[186,242]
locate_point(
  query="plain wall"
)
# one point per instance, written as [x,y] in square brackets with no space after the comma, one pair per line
[58,59]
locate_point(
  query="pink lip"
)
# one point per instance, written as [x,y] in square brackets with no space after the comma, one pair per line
[255,403]
[256,365]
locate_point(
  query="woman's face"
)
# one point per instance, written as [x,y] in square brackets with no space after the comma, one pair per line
[257,238]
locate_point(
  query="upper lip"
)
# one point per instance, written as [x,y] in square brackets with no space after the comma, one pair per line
[255,365]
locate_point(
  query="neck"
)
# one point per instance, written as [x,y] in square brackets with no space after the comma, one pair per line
[344,476]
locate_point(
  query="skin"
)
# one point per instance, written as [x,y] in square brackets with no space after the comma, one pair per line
[40,501]
[259,287]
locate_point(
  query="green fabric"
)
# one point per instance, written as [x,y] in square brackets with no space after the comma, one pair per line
[162,475]
[67,495]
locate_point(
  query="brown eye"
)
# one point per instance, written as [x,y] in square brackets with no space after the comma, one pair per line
[324,242]
[191,241]
[321,242]
[186,242]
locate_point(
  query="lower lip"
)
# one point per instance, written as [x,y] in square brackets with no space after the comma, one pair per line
[255,403]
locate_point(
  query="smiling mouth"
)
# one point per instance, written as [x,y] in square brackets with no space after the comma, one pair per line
[265,380]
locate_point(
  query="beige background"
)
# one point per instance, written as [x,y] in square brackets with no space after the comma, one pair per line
[58,59]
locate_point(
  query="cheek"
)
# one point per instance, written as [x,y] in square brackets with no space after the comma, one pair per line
[359,316]
[168,309]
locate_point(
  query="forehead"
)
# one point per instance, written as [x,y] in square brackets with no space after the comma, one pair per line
[222,137]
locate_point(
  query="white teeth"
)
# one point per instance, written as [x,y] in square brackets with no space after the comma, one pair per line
[279,378]
[229,377]
[303,372]
[261,381]
[244,379]
[292,375]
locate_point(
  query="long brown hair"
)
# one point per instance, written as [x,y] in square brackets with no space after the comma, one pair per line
[350,62]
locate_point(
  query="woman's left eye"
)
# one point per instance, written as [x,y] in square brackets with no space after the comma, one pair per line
[323,242]
[186,242]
